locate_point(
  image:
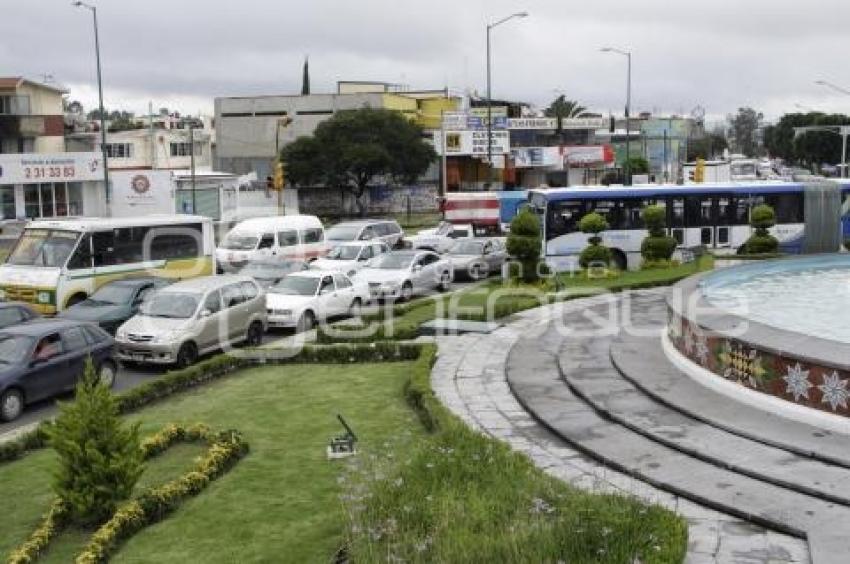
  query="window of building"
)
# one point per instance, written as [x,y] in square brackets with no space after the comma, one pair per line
[7,201]
[183,149]
[58,199]
[119,150]
[14,104]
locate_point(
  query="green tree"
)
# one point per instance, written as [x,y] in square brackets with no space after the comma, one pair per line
[707,147]
[639,165]
[657,246]
[810,148]
[594,224]
[561,109]
[100,459]
[762,218]
[524,244]
[354,147]
[744,127]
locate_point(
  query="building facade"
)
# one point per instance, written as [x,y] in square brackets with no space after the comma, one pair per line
[148,149]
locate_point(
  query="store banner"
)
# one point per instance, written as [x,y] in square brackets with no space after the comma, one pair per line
[527,157]
[34,168]
[584,123]
[533,123]
[472,142]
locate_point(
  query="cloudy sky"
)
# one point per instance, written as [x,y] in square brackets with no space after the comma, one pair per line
[183,53]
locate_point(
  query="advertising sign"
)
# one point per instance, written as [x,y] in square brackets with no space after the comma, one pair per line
[455,120]
[473,142]
[525,157]
[141,192]
[532,123]
[583,123]
[33,168]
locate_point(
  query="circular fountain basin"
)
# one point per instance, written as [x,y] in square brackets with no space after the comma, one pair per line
[780,327]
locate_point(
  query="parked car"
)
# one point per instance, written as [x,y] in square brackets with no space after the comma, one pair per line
[350,257]
[477,258]
[441,238]
[300,237]
[269,273]
[115,302]
[45,357]
[401,274]
[303,298]
[12,313]
[386,230]
[194,317]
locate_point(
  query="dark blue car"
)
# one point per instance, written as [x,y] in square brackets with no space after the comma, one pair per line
[45,357]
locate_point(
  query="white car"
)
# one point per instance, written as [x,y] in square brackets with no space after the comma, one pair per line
[401,274]
[443,237]
[350,257]
[303,298]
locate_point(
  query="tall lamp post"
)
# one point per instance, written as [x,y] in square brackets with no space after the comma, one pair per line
[628,56]
[842,130]
[489,96]
[80,4]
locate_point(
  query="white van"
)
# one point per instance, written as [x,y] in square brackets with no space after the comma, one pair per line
[300,237]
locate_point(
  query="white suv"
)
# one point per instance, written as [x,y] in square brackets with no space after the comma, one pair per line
[386,230]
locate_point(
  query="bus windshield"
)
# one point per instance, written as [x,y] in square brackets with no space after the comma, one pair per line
[43,247]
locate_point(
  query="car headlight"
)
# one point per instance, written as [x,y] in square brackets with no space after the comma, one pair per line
[165,337]
[121,335]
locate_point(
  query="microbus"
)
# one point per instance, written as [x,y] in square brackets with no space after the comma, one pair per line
[58,263]
[300,237]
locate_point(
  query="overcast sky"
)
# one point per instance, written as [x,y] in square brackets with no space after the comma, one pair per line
[182,53]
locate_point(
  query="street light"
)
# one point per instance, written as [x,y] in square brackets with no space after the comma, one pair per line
[489,97]
[628,56]
[93,9]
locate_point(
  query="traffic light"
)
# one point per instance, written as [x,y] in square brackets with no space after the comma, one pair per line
[279,179]
[699,171]
[269,183]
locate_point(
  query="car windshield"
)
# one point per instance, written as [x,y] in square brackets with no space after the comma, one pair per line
[240,242]
[176,305]
[44,247]
[344,252]
[459,233]
[14,348]
[342,233]
[112,294]
[467,248]
[392,261]
[296,286]
[268,270]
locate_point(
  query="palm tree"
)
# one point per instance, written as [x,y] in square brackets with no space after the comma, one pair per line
[561,108]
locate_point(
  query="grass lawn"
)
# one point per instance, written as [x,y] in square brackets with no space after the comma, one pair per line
[282,499]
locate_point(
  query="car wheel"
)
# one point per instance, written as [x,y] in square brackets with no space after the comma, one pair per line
[406,292]
[187,355]
[445,282]
[11,404]
[75,299]
[254,337]
[354,309]
[106,373]
[476,272]
[307,321]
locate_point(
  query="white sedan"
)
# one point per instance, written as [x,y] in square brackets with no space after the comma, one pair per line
[401,274]
[443,237]
[303,298]
[350,257]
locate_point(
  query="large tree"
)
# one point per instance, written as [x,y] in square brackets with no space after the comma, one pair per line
[355,147]
[707,147]
[561,109]
[744,125]
[810,148]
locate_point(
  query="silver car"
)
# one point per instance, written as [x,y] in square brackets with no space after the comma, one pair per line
[401,274]
[193,317]
[477,258]
[386,230]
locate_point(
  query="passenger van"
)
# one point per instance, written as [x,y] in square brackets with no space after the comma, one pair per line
[58,263]
[299,237]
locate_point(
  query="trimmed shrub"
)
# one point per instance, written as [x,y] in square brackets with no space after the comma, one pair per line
[594,224]
[657,246]
[99,457]
[762,218]
[524,243]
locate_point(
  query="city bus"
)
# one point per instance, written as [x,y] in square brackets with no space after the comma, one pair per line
[57,263]
[714,216]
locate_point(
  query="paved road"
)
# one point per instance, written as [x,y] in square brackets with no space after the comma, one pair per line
[128,378]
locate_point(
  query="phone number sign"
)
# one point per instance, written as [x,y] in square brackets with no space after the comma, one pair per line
[32,168]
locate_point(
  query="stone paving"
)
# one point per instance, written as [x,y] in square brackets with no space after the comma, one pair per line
[470,379]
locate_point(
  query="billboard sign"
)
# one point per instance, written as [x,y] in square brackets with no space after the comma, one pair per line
[533,123]
[34,168]
[584,123]
[473,142]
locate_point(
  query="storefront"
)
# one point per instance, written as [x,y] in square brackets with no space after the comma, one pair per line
[34,186]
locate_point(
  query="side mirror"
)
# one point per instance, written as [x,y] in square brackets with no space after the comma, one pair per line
[206,313]
[417,268]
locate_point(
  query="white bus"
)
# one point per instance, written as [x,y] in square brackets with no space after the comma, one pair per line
[711,215]
[57,263]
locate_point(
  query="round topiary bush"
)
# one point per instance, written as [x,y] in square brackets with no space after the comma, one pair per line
[762,218]
[657,246]
[524,244]
[594,255]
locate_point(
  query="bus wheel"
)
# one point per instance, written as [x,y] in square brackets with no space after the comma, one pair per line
[75,299]
[618,259]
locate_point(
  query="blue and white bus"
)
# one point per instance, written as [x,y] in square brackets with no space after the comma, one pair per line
[712,215]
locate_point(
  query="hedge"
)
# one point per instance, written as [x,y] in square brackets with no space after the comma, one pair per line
[226,448]
[222,365]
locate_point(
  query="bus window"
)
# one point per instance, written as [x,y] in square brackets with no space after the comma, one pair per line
[563,218]
[788,207]
[631,214]
[725,210]
[82,255]
[103,247]
[176,242]
[677,212]
[698,211]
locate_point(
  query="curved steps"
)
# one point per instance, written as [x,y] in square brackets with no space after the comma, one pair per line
[570,384]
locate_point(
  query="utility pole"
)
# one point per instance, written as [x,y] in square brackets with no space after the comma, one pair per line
[192,161]
[152,136]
